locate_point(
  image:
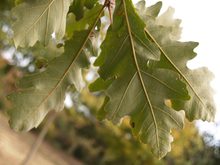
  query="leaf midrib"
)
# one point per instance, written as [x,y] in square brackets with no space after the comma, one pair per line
[175,67]
[68,68]
[168,114]
[140,76]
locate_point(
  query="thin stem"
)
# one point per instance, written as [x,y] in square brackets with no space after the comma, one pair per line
[34,148]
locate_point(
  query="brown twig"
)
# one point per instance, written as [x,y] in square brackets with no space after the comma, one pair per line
[110,4]
[34,148]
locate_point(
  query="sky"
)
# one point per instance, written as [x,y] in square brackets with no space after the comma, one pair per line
[200,23]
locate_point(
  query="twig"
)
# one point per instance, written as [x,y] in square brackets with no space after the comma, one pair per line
[34,148]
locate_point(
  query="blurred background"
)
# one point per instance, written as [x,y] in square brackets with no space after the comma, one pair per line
[76,136]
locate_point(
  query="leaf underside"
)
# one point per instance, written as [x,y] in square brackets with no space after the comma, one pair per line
[142,68]
[38,20]
[42,92]
[148,71]
[174,56]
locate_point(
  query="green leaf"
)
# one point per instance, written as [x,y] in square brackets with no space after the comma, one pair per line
[80,6]
[37,20]
[87,19]
[118,42]
[99,85]
[145,103]
[73,24]
[175,55]
[138,91]
[90,3]
[39,93]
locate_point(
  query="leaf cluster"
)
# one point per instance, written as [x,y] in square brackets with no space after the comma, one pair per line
[141,65]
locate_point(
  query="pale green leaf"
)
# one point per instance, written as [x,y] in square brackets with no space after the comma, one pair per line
[42,92]
[166,19]
[164,31]
[37,20]
[151,11]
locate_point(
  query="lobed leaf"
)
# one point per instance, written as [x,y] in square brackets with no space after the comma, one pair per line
[164,31]
[137,90]
[142,68]
[42,92]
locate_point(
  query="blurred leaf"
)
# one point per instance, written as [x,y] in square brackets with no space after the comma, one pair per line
[37,20]
[78,7]
[166,19]
[39,93]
